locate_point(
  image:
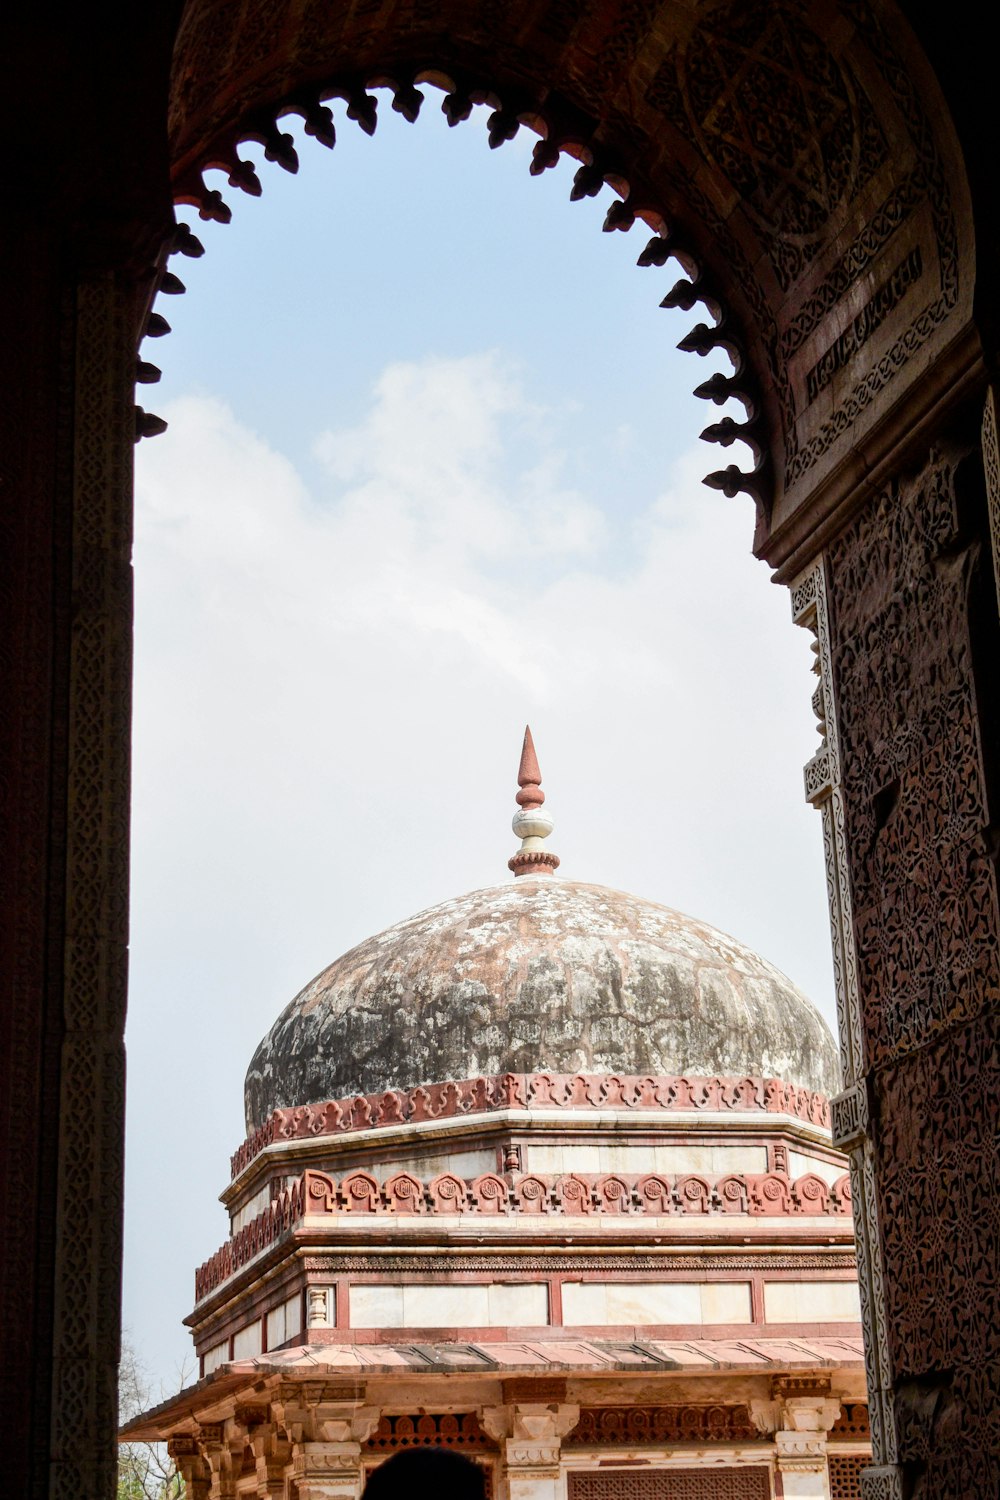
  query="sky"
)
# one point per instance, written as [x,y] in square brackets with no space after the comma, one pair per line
[432,471]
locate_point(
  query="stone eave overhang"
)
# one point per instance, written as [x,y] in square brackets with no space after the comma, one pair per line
[581,1124]
[350,1369]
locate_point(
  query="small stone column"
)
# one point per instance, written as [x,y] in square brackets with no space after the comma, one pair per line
[798,1421]
[218,1455]
[318,1316]
[530,1437]
[186,1454]
[326,1437]
[272,1453]
[801,1446]
[327,1471]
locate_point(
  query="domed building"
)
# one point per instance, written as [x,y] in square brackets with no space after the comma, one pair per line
[543,1174]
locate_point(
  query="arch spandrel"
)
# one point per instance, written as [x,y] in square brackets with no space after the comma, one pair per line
[798,157]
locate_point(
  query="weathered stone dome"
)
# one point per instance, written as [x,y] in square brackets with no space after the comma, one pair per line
[538,975]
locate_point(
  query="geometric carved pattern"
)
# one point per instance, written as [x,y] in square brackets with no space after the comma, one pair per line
[87,1313]
[850,1116]
[852,1424]
[451,1430]
[505,1091]
[812,608]
[672,1484]
[845,1475]
[991,468]
[927,182]
[773,108]
[927,929]
[599,1426]
[336,1263]
[923,885]
[878,230]
[885,1482]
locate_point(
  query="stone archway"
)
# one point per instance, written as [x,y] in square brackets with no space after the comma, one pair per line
[800,161]
[797,162]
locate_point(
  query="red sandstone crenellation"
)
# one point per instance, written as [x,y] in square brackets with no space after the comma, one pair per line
[448,1100]
[571,1193]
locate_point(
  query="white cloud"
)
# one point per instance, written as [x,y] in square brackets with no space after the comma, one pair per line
[331,687]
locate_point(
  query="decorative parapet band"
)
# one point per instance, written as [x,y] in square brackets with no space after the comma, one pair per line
[572,1193]
[630,1425]
[470,1096]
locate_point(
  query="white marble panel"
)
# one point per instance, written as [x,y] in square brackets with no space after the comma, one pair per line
[739,1159]
[811,1302]
[378,1306]
[463,1163]
[585,1303]
[445,1305]
[276,1327]
[284,1322]
[251,1208]
[293,1312]
[216,1356]
[517,1304]
[801,1484]
[528,1486]
[247,1342]
[664,1302]
[550,1159]
[799,1164]
[619,1302]
[637,1158]
[726,1302]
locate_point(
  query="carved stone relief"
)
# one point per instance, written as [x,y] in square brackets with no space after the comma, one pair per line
[629,1425]
[92,1104]
[900,688]
[779,114]
[923,885]
[673,1484]
[991,468]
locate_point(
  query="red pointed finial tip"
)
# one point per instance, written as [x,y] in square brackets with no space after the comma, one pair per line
[528,775]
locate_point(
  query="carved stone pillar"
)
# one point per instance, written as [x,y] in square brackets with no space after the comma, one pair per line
[904,608]
[272,1453]
[186,1454]
[318,1307]
[797,1419]
[800,1443]
[811,607]
[79,242]
[94,959]
[220,1460]
[990,441]
[530,1437]
[327,1471]
[326,1434]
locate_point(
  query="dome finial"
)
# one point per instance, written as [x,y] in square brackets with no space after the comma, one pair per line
[530,823]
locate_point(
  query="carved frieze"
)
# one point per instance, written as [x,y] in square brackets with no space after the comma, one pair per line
[506,1091]
[459,1430]
[629,1425]
[779,114]
[923,886]
[529,1195]
[926,926]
